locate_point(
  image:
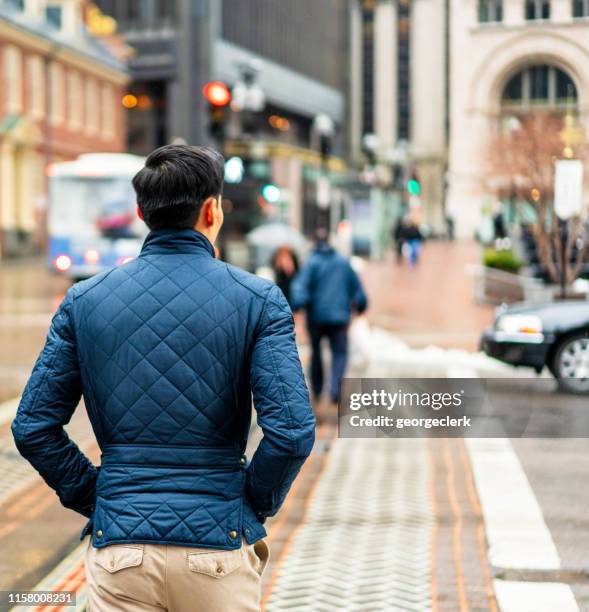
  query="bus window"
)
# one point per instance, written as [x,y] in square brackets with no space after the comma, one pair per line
[94,207]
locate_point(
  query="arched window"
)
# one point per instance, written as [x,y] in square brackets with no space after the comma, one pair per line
[539,86]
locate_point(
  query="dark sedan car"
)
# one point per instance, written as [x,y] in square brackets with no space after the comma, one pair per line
[554,335]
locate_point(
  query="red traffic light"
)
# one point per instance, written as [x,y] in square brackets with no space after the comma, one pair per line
[217,93]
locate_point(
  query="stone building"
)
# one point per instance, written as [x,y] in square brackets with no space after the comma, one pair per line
[441,75]
[61,97]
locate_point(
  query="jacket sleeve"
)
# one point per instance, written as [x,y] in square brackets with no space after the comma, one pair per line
[283,409]
[357,294]
[48,402]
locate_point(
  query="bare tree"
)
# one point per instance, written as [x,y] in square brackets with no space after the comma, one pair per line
[522,165]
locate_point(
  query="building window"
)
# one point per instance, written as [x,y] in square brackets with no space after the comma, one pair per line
[107,111]
[539,86]
[368,8]
[166,12]
[75,105]
[19,5]
[580,8]
[490,11]
[404,70]
[133,16]
[53,14]
[57,93]
[36,86]
[92,118]
[13,79]
[537,10]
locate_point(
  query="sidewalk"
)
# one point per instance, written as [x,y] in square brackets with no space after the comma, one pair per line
[420,525]
[401,297]
[391,524]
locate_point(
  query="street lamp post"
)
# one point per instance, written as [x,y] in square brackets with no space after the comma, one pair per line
[247,96]
[370,146]
[568,188]
[398,158]
[323,130]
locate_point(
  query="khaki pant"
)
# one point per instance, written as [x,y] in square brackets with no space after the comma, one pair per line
[150,577]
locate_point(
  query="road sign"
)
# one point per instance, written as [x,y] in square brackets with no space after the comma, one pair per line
[568,188]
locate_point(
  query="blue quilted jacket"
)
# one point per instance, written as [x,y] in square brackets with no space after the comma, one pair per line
[167,352]
[328,287]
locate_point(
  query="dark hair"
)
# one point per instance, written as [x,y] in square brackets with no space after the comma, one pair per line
[175,182]
[321,234]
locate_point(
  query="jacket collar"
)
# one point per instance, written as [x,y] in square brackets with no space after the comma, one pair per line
[323,248]
[166,242]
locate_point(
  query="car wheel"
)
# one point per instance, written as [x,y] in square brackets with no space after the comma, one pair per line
[570,365]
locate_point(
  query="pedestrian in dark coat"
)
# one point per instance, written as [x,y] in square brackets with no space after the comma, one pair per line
[329,289]
[285,264]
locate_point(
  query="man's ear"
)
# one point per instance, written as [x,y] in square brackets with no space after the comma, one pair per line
[139,213]
[209,210]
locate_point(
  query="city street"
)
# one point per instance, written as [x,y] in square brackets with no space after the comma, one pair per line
[414,178]
[370,524]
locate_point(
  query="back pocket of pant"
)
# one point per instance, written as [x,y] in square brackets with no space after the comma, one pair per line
[217,564]
[118,557]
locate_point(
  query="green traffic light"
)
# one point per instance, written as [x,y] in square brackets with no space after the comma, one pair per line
[413,187]
[271,193]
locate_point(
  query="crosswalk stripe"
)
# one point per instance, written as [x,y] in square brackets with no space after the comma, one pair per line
[517,534]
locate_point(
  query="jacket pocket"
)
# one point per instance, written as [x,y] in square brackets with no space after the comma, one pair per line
[217,564]
[117,557]
[262,553]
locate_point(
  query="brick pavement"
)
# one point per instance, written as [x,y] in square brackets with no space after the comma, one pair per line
[431,304]
[391,525]
[35,530]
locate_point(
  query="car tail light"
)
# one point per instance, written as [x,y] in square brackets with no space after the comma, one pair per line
[63,263]
[91,257]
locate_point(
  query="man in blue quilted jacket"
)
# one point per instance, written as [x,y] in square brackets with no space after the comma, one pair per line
[167,351]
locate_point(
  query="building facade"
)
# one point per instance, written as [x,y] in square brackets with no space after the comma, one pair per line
[61,97]
[445,74]
[298,52]
[522,55]
[182,44]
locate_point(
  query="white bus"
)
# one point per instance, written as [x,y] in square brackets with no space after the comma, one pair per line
[92,220]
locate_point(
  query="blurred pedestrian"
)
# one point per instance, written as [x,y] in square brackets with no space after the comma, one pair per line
[329,289]
[167,351]
[413,239]
[499,222]
[450,227]
[399,237]
[285,265]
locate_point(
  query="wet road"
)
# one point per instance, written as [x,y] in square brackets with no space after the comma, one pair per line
[28,297]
